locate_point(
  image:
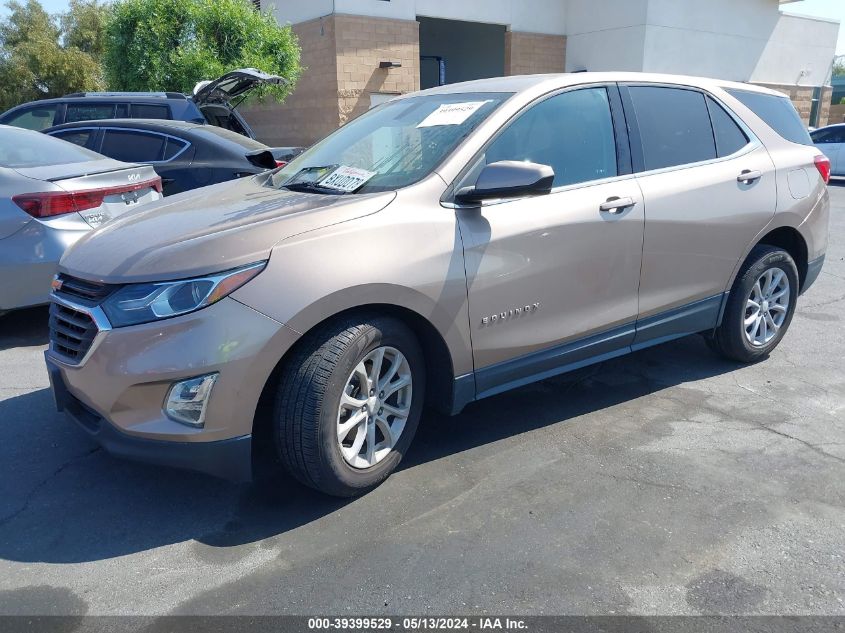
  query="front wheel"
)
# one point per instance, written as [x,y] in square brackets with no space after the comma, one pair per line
[349,404]
[760,306]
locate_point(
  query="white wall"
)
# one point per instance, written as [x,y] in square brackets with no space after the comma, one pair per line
[532,16]
[800,51]
[296,11]
[609,35]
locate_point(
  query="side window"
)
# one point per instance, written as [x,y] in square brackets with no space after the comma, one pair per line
[121,111]
[132,146]
[35,118]
[572,132]
[778,113]
[88,112]
[83,138]
[147,111]
[173,148]
[674,126]
[729,136]
[832,135]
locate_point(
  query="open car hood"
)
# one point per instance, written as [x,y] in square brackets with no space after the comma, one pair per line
[233,84]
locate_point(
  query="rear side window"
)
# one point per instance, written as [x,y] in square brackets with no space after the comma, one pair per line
[174,146]
[729,136]
[674,126]
[77,137]
[572,132]
[132,146]
[777,112]
[88,112]
[35,118]
[147,111]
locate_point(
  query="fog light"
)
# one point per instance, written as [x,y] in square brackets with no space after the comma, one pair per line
[188,399]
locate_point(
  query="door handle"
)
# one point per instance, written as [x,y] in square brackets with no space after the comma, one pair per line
[616,204]
[748,176]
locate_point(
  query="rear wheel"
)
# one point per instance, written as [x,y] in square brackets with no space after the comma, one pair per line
[349,404]
[760,306]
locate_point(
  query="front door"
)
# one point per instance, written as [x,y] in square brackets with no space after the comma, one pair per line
[552,280]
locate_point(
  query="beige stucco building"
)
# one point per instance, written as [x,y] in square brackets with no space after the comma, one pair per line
[358,53]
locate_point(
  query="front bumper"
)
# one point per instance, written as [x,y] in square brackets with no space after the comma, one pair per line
[118,393]
[228,459]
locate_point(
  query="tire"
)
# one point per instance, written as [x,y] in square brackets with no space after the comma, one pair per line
[308,410]
[731,339]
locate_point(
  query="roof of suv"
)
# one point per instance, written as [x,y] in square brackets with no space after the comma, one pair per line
[520,83]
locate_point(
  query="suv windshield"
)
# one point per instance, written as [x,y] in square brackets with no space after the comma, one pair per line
[392,146]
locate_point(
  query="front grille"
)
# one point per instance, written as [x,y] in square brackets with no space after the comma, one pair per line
[72,332]
[90,291]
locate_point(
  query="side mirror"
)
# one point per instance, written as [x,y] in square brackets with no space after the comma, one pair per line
[508,179]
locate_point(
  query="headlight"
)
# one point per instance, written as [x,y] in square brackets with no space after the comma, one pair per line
[142,303]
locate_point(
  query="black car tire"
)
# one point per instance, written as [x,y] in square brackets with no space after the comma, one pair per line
[308,401]
[729,339]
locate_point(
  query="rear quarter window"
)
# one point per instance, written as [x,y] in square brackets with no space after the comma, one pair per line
[778,113]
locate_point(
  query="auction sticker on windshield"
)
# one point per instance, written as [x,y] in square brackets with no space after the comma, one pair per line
[346,179]
[451,113]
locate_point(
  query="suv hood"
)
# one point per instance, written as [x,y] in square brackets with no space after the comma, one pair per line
[233,84]
[207,231]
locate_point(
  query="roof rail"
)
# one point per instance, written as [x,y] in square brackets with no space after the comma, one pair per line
[160,95]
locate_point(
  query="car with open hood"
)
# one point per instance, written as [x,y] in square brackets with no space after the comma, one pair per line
[446,246]
[214,102]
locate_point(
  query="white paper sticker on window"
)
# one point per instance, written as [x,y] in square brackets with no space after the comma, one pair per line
[452,113]
[346,178]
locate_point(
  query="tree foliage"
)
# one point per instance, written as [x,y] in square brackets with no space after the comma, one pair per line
[43,57]
[167,45]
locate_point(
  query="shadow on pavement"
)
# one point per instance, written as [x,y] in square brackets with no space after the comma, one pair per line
[65,501]
[24,328]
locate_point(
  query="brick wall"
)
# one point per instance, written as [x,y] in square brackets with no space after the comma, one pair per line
[341,55]
[362,43]
[837,114]
[530,53]
[802,99]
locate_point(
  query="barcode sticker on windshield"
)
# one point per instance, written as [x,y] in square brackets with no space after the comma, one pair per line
[346,179]
[451,113]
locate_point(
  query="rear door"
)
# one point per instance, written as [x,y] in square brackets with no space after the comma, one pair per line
[709,188]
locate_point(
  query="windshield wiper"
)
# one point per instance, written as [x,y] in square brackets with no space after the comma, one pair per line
[312,187]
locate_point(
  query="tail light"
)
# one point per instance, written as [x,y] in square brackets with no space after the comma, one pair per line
[52,203]
[281,163]
[823,165]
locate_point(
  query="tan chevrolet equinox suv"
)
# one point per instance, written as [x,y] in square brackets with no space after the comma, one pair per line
[446,246]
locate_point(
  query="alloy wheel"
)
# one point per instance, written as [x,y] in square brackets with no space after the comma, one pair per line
[374,407]
[766,307]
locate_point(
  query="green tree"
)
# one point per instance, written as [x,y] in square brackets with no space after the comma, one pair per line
[839,68]
[83,26]
[167,45]
[41,57]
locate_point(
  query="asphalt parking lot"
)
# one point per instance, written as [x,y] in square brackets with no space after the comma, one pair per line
[667,482]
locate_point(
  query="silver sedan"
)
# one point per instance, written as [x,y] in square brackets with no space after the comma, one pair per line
[51,193]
